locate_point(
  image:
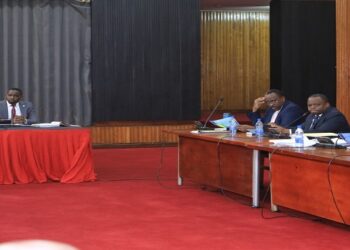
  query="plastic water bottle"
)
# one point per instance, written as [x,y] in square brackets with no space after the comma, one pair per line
[233,126]
[259,128]
[299,137]
[225,115]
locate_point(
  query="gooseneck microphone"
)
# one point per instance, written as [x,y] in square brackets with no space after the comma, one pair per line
[297,119]
[280,135]
[204,127]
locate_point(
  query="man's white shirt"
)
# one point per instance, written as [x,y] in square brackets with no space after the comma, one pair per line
[9,110]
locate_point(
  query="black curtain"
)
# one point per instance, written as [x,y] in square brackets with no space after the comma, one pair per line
[146,60]
[303,48]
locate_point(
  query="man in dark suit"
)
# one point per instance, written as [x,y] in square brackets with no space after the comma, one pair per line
[12,108]
[322,118]
[274,108]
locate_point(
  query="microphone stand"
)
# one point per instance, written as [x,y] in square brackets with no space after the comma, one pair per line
[204,127]
[281,135]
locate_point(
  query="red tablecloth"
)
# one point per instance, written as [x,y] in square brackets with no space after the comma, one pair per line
[39,155]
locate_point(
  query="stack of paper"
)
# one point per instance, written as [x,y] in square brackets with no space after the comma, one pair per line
[47,125]
[291,142]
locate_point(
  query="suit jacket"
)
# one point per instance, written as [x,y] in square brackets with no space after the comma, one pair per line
[332,120]
[26,110]
[289,113]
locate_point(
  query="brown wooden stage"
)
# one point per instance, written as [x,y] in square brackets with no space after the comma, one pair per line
[311,180]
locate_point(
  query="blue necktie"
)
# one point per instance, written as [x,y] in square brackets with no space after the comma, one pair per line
[314,121]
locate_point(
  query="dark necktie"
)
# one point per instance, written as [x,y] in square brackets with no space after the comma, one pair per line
[13,112]
[314,121]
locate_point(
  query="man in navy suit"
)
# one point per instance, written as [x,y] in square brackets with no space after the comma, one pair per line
[322,118]
[12,108]
[274,108]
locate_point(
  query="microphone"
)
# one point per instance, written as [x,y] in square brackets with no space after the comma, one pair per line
[275,134]
[297,119]
[204,127]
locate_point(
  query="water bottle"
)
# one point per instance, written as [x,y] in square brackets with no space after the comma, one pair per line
[233,126]
[299,137]
[259,128]
[225,115]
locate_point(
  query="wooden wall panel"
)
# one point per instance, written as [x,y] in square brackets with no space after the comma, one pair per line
[135,134]
[343,56]
[235,61]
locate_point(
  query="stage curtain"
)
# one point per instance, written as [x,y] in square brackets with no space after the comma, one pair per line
[45,50]
[303,48]
[146,60]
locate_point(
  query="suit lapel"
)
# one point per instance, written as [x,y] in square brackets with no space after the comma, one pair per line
[3,110]
[278,118]
[22,107]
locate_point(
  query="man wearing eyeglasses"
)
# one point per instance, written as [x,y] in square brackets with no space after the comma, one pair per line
[274,108]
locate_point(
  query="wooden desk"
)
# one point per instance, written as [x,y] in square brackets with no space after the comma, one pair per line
[312,180]
[222,161]
[38,155]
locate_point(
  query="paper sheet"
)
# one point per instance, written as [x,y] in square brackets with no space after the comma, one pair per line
[215,130]
[320,134]
[291,142]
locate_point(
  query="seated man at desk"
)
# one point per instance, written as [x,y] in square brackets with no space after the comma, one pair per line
[279,110]
[322,118]
[12,108]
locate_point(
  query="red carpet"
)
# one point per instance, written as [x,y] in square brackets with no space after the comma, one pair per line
[119,213]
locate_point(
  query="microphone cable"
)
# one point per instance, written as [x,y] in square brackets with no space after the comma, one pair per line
[268,191]
[331,187]
[221,189]
[161,166]
[296,216]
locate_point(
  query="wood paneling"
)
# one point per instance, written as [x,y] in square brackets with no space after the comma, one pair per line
[141,133]
[198,161]
[311,186]
[235,57]
[343,56]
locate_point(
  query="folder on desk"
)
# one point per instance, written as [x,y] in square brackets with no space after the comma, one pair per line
[224,122]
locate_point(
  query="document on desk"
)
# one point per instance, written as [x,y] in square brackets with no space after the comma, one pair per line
[215,130]
[321,134]
[224,122]
[291,143]
[47,125]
